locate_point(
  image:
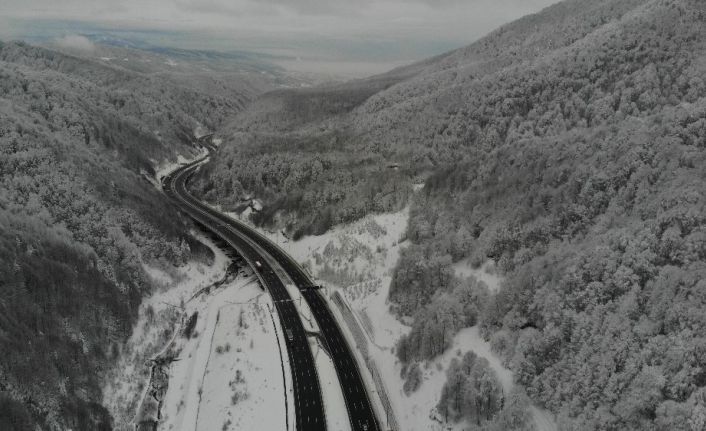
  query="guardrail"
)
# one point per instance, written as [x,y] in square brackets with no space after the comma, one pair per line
[362,344]
[367,324]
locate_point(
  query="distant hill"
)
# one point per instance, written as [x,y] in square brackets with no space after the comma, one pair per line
[78,218]
[568,147]
[235,75]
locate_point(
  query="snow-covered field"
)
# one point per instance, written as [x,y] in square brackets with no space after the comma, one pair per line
[227,374]
[159,317]
[486,273]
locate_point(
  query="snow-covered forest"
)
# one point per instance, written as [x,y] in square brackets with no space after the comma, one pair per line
[568,148]
[308,190]
[79,219]
[518,226]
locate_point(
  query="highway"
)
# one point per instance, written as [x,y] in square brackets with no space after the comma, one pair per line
[253,246]
[306,389]
[360,410]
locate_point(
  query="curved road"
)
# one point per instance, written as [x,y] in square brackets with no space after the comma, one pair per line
[306,389]
[252,246]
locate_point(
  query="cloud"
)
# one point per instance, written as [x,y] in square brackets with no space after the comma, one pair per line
[77,42]
[315,30]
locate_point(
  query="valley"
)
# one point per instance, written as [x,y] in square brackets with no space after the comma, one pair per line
[508,235]
[566,149]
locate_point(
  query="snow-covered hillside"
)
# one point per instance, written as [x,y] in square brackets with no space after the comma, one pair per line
[159,318]
[224,371]
[357,260]
[568,148]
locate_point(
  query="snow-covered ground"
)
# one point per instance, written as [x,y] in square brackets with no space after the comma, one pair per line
[366,250]
[486,273]
[227,375]
[358,259]
[415,411]
[159,317]
[165,167]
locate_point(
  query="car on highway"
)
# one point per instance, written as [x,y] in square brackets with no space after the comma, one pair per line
[258,264]
[290,334]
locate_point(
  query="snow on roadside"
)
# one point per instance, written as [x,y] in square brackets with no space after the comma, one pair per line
[165,167]
[300,304]
[159,316]
[364,250]
[244,371]
[334,403]
[229,375]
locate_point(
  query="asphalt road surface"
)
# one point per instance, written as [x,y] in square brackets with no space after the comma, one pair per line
[252,246]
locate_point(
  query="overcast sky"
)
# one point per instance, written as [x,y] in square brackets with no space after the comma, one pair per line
[355,31]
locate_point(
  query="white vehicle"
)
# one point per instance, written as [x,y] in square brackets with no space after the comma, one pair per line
[258,264]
